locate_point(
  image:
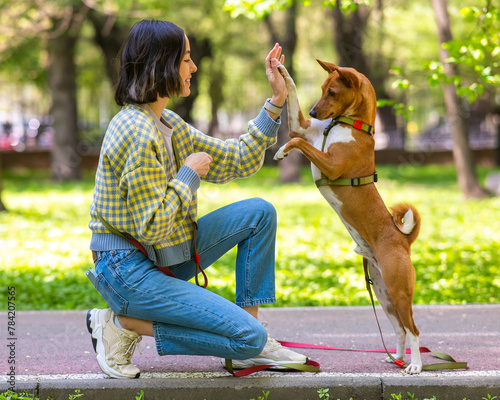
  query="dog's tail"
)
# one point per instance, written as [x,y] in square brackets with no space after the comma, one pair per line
[407,220]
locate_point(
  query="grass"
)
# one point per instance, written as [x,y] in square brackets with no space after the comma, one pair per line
[44,240]
[322,394]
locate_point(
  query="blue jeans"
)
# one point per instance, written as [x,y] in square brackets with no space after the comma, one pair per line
[188,319]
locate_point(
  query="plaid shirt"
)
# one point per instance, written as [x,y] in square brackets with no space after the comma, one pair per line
[138,190]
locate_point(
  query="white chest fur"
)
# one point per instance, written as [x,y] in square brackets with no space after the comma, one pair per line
[339,134]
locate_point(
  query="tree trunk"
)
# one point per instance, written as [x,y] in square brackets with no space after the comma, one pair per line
[462,154]
[62,83]
[290,165]
[109,36]
[216,96]
[349,32]
[348,37]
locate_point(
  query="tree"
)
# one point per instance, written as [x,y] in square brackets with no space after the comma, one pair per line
[464,160]
[109,34]
[58,24]
[350,27]
[62,84]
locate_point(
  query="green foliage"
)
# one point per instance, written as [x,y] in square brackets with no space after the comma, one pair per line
[478,53]
[44,240]
[10,395]
[140,395]
[323,394]
[76,395]
[266,394]
[257,9]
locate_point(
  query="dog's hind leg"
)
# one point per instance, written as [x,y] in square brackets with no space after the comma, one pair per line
[380,291]
[399,277]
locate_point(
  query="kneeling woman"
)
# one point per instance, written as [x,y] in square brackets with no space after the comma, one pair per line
[150,168]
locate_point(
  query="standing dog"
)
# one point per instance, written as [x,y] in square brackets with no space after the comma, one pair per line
[339,142]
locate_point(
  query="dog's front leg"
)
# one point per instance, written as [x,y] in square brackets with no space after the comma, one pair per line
[326,162]
[296,122]
[298,125]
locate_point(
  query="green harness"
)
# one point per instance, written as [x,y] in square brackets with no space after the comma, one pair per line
[325,181]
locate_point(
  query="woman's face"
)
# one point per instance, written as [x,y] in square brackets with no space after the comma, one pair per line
[186,69]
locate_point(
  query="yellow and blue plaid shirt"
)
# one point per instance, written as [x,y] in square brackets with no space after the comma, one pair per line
[140,191]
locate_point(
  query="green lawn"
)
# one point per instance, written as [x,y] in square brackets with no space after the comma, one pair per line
[44,240]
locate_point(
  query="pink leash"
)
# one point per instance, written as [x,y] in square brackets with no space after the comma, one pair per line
[451,364]
[321,347]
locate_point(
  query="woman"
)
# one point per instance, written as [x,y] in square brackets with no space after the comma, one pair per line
[149,170]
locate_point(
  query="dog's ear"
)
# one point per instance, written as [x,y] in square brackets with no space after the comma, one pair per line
[347,77]
[328,67]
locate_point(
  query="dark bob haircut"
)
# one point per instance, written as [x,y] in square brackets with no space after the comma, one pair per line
[150,59]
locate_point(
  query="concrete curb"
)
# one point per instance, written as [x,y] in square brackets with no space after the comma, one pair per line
[281,386]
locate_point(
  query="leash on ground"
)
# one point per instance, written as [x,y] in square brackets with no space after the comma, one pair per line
[313,366]
[310,366]
[451,364]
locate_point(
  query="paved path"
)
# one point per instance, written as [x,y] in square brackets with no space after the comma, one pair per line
[54,356]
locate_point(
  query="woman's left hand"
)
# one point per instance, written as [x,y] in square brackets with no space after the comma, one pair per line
[273,75]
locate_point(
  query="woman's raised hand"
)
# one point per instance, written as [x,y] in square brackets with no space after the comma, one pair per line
[273,59]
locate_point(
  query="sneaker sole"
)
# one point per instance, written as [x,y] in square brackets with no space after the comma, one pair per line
[95,330]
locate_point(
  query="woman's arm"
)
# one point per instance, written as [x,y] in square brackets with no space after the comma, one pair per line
[237,158]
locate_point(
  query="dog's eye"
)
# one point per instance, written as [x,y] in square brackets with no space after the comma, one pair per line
[331,92]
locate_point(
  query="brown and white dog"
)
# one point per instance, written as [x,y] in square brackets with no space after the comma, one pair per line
[340,151]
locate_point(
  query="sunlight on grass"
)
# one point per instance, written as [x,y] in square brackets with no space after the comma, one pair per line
[44,240]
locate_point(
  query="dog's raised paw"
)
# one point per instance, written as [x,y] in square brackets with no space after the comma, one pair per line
[283,71]
[280,154]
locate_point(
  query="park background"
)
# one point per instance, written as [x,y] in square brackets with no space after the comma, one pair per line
[437,135]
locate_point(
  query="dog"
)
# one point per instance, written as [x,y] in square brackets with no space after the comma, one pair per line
[338,140]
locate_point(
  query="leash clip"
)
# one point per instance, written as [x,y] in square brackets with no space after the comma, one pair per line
[332,123]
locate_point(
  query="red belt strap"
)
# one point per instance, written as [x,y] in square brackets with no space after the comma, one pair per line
[165,270]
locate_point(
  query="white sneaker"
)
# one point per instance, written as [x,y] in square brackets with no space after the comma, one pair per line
[114,346]
[273,354]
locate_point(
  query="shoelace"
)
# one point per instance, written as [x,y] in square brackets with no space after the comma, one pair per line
[272,344]
[127,347]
